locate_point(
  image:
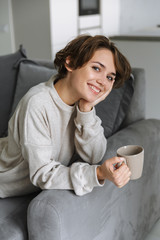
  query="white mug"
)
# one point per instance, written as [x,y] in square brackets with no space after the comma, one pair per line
[134,156]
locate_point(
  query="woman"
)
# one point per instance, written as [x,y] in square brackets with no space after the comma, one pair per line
[57,118]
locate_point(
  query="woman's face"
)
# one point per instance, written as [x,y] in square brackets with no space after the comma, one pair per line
[94,78]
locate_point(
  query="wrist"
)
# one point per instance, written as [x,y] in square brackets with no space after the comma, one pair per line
[85,109]
[99,174]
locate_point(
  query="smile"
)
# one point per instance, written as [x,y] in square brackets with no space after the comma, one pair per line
[95,89]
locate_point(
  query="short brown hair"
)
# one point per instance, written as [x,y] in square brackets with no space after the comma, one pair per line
[81,49]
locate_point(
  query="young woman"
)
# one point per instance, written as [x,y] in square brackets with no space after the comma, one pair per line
[57,118]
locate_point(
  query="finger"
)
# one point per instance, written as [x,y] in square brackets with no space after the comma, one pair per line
[101,98]
[116,160]
[123,171]
[120,185]
[122,178]
[108,91]
[111,87]
[105,94]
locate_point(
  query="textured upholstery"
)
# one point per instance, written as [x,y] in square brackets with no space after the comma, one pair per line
[8,79]
[13,217]
[30,74]
[107,213]
[136,110]
[113,109]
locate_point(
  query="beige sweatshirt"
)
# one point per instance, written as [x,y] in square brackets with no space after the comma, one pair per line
[43,135]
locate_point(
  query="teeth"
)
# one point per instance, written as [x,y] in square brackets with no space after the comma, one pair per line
[95,89]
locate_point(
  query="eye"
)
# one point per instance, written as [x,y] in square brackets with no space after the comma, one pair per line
[96,68]
[110,78]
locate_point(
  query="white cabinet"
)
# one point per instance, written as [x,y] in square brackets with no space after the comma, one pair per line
[90,24]
[64,23]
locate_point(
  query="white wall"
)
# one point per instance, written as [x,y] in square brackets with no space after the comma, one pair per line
[145,54]
[6,30]
[138,14]
[64,23]
[44,26]
[125,16]
[118,17]
[32,27]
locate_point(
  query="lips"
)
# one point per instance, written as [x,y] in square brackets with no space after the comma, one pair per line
[94,89]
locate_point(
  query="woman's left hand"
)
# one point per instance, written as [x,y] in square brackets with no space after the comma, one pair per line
[85,106]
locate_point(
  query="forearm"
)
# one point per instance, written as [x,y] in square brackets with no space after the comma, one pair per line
[89,137]
[51,174]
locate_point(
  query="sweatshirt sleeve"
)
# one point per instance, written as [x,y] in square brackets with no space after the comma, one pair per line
[90,141]
[44,169]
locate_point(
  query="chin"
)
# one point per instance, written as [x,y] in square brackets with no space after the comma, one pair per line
[91,99]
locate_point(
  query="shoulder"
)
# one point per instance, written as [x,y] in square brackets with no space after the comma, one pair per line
[38,95]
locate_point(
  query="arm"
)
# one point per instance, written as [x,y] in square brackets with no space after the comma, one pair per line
[90,141]
[40,150]
[89,135]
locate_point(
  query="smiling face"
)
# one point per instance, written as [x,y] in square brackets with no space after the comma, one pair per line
[94,78]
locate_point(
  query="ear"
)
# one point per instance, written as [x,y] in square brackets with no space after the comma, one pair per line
[67,63]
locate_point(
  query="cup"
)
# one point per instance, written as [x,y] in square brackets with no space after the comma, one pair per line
[134,156]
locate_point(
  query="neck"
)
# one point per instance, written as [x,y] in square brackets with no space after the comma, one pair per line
[65,92]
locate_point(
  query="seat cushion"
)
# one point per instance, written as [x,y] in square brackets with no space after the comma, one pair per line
[13,217]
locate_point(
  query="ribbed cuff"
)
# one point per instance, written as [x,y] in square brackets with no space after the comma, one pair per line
[85,117]
[84,178]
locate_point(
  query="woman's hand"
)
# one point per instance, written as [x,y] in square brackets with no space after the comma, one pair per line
[85,106]
[119,176]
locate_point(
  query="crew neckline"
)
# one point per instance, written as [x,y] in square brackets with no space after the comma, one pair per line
[59,100]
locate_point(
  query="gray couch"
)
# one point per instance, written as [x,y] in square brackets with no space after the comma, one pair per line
[107,213]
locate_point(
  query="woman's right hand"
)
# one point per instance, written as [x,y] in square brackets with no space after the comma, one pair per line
[120,176]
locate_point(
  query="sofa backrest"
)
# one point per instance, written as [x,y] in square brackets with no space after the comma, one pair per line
[8,79]
[121,108]
[136,110]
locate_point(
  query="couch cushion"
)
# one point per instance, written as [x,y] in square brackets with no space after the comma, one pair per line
[13,217]
[113,109]
[8,78]
[136,109]
[30,74]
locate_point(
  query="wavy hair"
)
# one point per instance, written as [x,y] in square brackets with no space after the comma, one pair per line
[81,49]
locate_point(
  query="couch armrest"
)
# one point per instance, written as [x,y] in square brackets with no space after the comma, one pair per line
[107,212]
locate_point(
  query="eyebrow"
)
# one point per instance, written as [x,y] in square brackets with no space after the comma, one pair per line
[114,74]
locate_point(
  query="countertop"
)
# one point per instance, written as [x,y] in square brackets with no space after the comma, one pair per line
[151,34]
